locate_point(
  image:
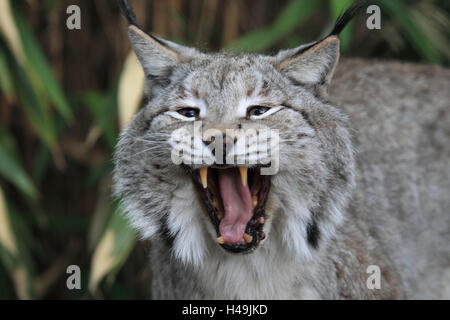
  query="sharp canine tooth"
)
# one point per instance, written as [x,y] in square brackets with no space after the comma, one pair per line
[254,201]
[220,240]
[204,176]
[243,171]
[248,238]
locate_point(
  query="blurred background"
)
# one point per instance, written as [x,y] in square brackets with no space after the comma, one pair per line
[66,94]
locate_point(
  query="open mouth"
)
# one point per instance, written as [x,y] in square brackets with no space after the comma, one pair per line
[234,198]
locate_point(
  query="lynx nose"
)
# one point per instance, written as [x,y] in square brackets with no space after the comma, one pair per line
[220,146]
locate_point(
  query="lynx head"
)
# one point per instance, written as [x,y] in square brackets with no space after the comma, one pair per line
[203,201]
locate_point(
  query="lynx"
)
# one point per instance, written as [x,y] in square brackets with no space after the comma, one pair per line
[363,173]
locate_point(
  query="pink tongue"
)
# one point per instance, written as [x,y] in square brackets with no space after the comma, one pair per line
[237,201]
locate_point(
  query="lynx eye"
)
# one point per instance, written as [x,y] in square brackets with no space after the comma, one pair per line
[256,111]
[189,112]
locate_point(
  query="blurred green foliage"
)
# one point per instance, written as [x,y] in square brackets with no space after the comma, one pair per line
[59,119]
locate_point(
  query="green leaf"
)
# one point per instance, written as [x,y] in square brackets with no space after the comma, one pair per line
[11,169]
[6,81]
[255,41]
[103,108]
[113,248]
[293,14]
[40,118]
[416,35]
[6,289]
[41,162]
[13,252]
[40,71]
[436,27]
[101,214]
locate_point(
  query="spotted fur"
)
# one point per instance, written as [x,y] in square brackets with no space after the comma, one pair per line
[363,180]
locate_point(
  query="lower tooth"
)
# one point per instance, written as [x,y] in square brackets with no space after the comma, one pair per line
[248,238]
[220,240]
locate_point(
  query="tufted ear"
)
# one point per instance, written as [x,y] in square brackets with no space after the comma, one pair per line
[312,65]
[158,57]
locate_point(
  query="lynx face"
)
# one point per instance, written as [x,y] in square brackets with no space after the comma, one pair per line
[202,204]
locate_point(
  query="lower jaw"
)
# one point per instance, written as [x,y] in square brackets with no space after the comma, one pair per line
[257,235]
[254,232]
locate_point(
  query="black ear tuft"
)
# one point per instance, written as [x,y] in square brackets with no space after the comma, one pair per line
[128,12]
[347,16]
[340,24]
